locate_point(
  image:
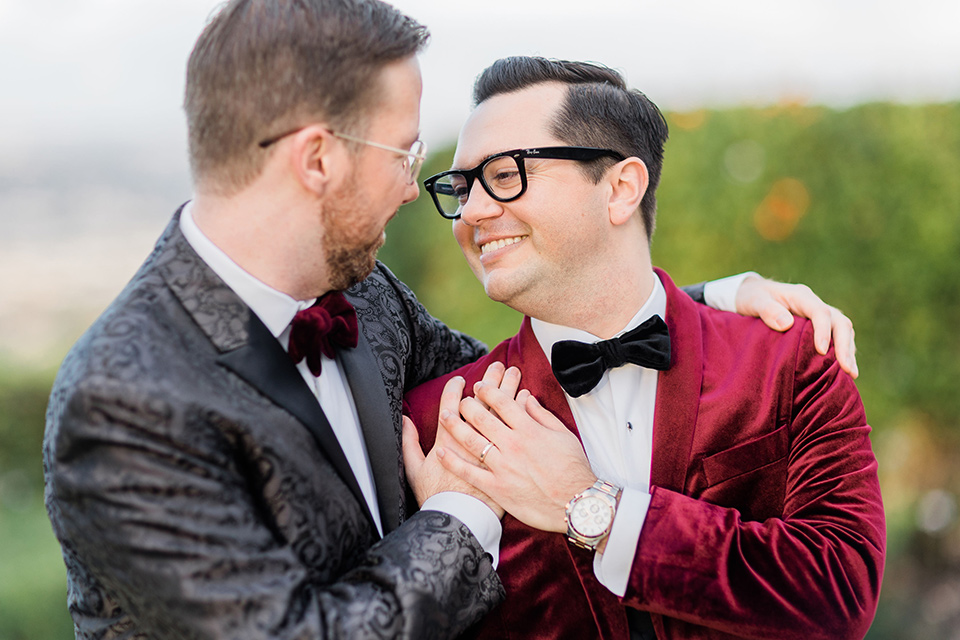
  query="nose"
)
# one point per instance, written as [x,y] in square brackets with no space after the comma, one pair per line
[411,193]
[479,206]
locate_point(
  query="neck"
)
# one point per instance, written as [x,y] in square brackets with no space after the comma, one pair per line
[603,306]
[264,229]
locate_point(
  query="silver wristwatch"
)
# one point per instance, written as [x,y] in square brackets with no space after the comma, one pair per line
[590,514]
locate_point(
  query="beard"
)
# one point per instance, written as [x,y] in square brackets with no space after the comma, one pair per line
[350,251]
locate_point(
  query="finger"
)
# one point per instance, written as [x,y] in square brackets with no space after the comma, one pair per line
[451,394]
[469,443]
[471,474]
[412,453]
[494,373]
[843,341]
[504,413]
[522,397]
[775,315]
[822,328]
[511,381]
[801,300]
[542,415]
[446,440]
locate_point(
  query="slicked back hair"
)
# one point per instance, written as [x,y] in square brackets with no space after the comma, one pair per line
[263,67]
[599,111]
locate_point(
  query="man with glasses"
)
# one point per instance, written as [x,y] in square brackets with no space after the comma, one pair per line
[222,453]
[668,470]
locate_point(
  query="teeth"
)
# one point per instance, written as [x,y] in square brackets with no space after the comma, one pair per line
[500,244]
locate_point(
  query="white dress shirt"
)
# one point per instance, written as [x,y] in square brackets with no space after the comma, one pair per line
[615,421]
[276,310]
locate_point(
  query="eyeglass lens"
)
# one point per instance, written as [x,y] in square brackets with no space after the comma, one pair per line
[500,176]
[414,160]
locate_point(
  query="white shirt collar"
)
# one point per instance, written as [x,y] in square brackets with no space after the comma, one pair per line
[547,334]
[274,308]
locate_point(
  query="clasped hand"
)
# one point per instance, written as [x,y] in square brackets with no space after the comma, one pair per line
[535,466]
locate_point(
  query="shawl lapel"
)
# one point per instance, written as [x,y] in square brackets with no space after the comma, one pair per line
[538,378]
[379,428]
[245,345]
[678,391]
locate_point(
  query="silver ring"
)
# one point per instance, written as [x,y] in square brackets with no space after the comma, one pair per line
[486,450]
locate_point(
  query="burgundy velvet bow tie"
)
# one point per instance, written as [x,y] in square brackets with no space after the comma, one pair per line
[331,322]
[579,366]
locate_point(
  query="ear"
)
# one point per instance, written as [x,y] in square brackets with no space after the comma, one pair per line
[628,183]
[316,158]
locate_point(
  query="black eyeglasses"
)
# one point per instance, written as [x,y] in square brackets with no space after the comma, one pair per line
[502,175]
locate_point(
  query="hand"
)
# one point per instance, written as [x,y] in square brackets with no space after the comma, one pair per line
[536,464]
[427,477]
[774,302]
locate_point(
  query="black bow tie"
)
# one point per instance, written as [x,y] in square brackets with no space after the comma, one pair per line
[579,366]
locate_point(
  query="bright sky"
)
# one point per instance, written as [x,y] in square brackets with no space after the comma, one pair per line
[88,70]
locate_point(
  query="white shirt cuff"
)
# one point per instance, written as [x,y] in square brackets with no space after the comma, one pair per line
[722,294]
[472,512]
[612,567]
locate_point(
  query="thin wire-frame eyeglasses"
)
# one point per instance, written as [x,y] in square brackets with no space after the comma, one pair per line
[413,157]
[503,176]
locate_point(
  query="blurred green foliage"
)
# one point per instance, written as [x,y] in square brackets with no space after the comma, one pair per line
[861,204]
[33,588]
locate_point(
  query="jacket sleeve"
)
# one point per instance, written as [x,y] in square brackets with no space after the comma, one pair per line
[157,517]
[812,572]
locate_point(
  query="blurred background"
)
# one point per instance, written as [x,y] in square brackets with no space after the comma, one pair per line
[812,141]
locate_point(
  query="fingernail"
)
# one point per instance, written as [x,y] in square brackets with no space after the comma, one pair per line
[783,320]
[479,385]
[445,414]
[440,452]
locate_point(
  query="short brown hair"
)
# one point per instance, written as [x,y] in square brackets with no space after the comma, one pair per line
[264,66]
[599,111]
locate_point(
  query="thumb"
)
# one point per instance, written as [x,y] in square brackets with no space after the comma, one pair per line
[412,453]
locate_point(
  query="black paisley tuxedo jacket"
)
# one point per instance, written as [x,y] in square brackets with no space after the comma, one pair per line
[198,491]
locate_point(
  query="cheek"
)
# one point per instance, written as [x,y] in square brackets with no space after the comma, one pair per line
[464,237]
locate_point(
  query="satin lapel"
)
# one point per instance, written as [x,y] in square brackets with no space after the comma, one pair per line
[678,391]
[246,346]
[379,430]
[264,364]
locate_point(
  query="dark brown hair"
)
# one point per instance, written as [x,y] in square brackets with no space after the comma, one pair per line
[599,111]
[261,67]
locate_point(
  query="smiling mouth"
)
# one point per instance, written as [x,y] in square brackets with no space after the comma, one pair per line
[500,244]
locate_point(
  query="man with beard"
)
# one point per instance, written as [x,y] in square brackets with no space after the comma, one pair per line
[222,446]
[204,482]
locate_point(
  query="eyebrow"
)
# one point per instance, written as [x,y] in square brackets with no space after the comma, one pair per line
[495,153]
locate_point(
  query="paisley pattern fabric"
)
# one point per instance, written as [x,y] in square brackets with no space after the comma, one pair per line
[197,489]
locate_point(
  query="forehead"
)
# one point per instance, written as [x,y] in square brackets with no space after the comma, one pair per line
[400,86]
[517,120]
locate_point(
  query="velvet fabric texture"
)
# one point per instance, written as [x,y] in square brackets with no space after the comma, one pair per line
[766,519]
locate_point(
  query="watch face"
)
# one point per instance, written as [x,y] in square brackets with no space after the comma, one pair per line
[591,516]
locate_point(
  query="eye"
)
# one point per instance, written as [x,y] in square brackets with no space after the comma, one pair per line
[506,176]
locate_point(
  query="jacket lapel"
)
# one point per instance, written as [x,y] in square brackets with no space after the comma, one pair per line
[379,429]
[246,347]
[678,391]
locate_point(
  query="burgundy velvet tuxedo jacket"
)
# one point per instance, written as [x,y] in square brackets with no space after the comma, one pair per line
[766,519]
